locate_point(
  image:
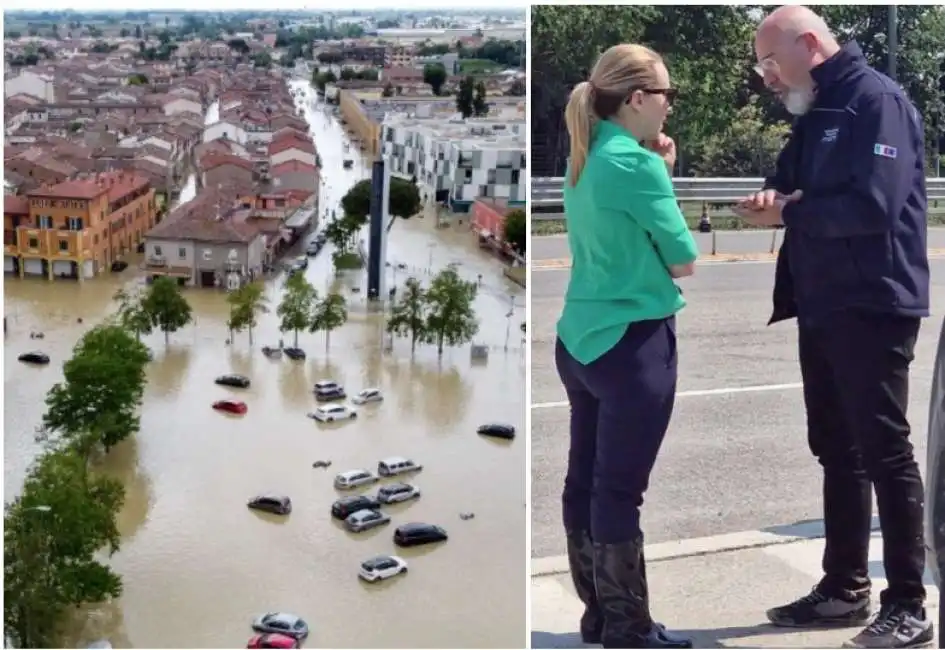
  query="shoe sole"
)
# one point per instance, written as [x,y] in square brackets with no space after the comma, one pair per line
[918,644]
[826,624]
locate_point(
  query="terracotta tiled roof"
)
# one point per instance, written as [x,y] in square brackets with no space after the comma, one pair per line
[15,204]
[214,160]
[205,219]
[117,184]
[291,166]
[286,143]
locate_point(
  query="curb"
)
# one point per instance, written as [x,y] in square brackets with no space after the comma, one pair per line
[700,546]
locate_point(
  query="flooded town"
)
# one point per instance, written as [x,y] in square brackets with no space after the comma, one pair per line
[217,151]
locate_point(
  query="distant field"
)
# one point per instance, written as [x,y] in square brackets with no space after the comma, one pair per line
[478,66]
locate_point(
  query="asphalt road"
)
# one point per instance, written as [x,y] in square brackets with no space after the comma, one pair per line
[733,242]
[732,461]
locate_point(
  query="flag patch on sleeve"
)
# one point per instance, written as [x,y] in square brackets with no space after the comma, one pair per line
[884,150]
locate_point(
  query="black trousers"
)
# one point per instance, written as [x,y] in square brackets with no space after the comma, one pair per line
[621,405]
[855,368]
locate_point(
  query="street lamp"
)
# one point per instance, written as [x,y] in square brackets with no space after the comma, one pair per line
[508,320]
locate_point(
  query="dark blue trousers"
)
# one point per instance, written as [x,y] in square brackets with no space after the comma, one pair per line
[621,406]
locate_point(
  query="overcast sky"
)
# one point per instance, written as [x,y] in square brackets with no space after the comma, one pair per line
[237,5]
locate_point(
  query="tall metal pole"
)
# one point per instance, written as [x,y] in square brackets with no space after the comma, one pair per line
[892,37]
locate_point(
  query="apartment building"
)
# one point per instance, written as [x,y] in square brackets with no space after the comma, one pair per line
[77,228]
[459,161]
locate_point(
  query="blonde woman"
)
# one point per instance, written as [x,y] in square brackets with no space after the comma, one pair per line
[616,347]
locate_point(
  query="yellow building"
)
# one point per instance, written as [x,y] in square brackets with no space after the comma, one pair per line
[358,121]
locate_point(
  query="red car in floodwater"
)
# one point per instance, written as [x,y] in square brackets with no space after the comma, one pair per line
[230,406]
[272,641]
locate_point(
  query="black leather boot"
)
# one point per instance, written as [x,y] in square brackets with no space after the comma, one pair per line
[623,599]
[581,561]
[672,639]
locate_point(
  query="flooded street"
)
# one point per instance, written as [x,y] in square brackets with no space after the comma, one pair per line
[198,566]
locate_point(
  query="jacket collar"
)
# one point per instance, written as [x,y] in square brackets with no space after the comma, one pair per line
[834,69]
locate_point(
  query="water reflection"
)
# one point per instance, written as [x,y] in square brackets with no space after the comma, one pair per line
[121,463]
[168,368]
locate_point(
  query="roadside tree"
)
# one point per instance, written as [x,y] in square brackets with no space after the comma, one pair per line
[103,386]
[450,317]
[167,307]
[404,201]
[245,303]
[328,314]
[465,98]
[407,314]
[295,309]
[54,533]
[434,75]
[514,230]
[131,313]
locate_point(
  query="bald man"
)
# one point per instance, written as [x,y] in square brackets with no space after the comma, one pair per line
[850,190]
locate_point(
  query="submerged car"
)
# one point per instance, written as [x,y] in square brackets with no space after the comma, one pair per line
[368,395]
[382,567]
[36,358]
[346,506]
[281,623]
[330,394]
[354,478]
[230,406]
[273,640]
[277,505]
[397,465]
[397,492]
[497,430]
[333,413]
[415,534]
[296,354]
[272,353]
[362,520]
[234,381]
[326,384]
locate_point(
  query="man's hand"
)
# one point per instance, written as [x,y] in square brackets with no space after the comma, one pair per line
[764,208]
[664,147]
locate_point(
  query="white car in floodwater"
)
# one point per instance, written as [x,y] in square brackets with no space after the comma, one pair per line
[368,395]
[333,412]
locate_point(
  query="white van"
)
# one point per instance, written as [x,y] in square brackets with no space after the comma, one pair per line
[397,465]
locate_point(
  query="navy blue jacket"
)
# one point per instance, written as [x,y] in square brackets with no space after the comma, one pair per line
[858,237]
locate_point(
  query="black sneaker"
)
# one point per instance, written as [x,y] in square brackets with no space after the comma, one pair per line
[817,610]
[895,627]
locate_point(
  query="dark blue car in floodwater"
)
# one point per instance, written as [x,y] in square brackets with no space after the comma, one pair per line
[935,474]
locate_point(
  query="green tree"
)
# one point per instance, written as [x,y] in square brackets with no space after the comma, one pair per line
[464,97]
[131,313]
[404,201]
[322,79]
[328,314]
[53,535]
[166,305]
[450,317]
[103,385]
[245,303]
[480,106]
[515,230]
[295,309]
[407,314]
[434,75]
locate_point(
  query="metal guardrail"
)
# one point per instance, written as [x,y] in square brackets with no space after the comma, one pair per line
[547,195]
[935,471]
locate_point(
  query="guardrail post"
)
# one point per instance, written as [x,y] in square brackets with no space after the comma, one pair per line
[774,240]
[714,247]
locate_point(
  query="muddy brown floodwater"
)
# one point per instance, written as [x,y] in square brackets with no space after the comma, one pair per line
[198,566]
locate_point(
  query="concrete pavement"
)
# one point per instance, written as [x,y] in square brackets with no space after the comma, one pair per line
[718,595]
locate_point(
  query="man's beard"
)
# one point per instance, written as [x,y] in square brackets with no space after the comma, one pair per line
[798,101]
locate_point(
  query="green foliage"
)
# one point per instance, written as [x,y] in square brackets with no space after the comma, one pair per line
[434,75]
[322,79]
[328,314]
[166,305]
[346,260]
[295,309]
[480,105]
[407,314]
[131,313]
[403,203]
[515,230]
[450,317]
[245,303]
[708,50]
[103,386]
[53,534]
[464,97]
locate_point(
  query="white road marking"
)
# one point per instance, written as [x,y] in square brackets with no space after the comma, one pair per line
[700,393]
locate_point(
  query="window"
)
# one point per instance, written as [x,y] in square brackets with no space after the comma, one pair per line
[33,242]
[44,221]
[73,223]
[207,254]
[157,251]
[63,245]
[182,253]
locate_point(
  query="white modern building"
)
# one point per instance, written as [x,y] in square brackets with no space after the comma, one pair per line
[458,160]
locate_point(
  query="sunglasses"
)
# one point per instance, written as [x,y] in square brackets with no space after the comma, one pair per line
[669,93]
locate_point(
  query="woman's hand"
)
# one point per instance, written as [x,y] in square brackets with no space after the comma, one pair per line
[664,147]
[682,270]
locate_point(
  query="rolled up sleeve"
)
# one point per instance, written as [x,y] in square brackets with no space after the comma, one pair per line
[883,158]
[641,187]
